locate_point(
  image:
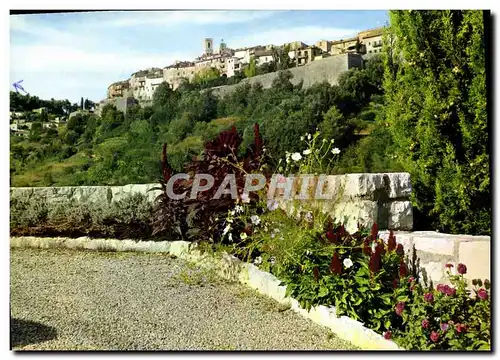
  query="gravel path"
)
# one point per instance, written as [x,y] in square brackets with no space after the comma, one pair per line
[76,300]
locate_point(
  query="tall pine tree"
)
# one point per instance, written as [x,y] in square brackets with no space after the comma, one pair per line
[435,88]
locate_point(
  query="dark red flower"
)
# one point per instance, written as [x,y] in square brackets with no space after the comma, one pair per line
[374,263]
[434,336]
[336,265]
[443,326]
[440,288]
[449,266]
[388,335]
[450,291]
[403,270]
[316,273]
[332,237]
[461,328]
[391,243]
[400,250]
[425,324]
[462,269]
[374,232]
[483,294]
[429,297]
[412,287]
[395,283]
[411,279]
[367,250]
[400,306]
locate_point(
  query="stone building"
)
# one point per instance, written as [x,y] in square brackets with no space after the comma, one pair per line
[118,89]
[180,70]
[372,41]
[263,57]
[344,46]
[324,45]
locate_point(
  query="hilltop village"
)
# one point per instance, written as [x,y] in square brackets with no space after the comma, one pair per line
[228,62]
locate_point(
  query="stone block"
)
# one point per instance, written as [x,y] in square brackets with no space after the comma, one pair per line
[400,216]
[434,244]
[476,256]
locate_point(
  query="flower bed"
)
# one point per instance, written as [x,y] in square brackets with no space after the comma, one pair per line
[320,262]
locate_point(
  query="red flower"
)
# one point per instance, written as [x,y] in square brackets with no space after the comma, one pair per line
[412,287]
[391,243]
[449,266]
[411,279]
[434,336]
[483,294]
[331,236]
[429,297]
[425,324]
[374,231]
[440,288]
[316,273]
[403,270]
[374,264]
[395,283]
[388,335]
[336,265]
[400,306]
[461,328]
[449,291]
[400,250]
[462,269]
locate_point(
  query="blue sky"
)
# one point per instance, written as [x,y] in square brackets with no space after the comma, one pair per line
[79,54]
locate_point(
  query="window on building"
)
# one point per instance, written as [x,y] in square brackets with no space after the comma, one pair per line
[369,43]
[370,51]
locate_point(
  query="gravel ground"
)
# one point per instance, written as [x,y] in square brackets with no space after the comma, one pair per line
[77,300]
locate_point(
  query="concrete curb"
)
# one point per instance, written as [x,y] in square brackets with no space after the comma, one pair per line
[231,269]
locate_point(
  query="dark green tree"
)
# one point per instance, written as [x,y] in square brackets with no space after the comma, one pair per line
[436,106]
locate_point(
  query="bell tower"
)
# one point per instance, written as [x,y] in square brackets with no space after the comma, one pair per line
[208,44]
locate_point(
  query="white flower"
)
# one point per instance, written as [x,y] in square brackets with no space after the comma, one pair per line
[308,252]
[258,260]
[238,208]
[272,260]
[301,138]
[308,216]
[255,219]
[335,151]
[332,141]
[273,235]
[306,152]
[226,229]
[243,236]
[272,205]
[245,198]
[296,156]
[309,136]
[347,263]
[230,237]
[232,212]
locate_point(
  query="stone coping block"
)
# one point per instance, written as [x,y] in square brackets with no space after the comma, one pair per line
[230,268]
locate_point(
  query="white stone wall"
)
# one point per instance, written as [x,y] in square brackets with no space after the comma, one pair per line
[151,85]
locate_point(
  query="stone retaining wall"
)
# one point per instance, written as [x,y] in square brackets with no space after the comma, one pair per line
[433,250]
[328,69]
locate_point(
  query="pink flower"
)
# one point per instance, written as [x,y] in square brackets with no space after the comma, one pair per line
[461,328]
[425,324]
[411,279]
[388,335]
[450,291]
[483,294]
[429,297]
[444,326]
[434,336]
[440,288]
[449,266]
[400,306]
[462,269]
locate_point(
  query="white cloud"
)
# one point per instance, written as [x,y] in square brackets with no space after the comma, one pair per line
[177,18]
